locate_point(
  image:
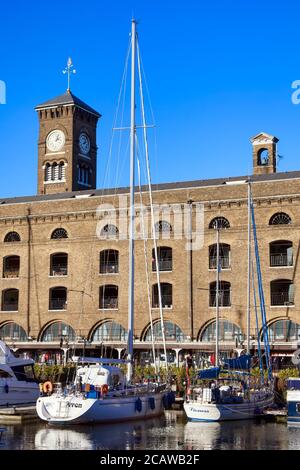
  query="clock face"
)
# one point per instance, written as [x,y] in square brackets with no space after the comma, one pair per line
[55,140]
[84,143]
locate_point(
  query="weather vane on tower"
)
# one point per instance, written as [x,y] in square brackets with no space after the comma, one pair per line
[69,70]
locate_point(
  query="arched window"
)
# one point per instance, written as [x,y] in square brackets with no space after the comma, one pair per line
[280,218]
[263,157]
[224,256]
[11,266]
[219,223]
[108,297]
[109,331]
[172,332]
[109,262]
[227,332]
[59,233]
[281,253]
[48,172]
[12,331]
[58,298]
[55,172]
[57,331]
[162,226]
[12,237]
[164,257]
[284,330]
[282,292]
[109,231]
[224,294]
[84,174]
[59,264]
[61,171]
[10,300]
[166,295]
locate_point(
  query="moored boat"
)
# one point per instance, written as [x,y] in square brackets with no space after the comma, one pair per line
[293,401]
[101,394]
[18,385]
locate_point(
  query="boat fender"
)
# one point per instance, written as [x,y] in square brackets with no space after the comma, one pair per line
[47,387]
[104,389]
[138,405]
[152,403]
[6,388]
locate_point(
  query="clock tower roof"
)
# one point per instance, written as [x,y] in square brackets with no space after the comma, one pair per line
[68,98]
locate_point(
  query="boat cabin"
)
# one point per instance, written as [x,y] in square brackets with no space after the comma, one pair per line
[98,375]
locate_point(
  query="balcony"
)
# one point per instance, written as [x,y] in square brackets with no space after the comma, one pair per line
[59,270]
[10,307]
[57,304]
[108,298]
[281,254]
[281,259]
[59,264]
[224,299]
[109,262]
[281,299]
[224,256]
[164,258]
[11,267]
[109,302]
[109,267]
[163,265]
[166,301]
[224,262]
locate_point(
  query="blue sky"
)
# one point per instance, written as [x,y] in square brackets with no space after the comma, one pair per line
[218,72]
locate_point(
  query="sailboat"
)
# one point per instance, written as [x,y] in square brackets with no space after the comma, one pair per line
[230,390]
[100,392]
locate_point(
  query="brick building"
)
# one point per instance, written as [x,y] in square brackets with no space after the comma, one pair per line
[65,268]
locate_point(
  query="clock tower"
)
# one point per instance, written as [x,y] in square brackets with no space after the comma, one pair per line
[67,149]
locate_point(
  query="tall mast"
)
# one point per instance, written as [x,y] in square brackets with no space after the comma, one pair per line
[217,296]
[249,268]
[131,207]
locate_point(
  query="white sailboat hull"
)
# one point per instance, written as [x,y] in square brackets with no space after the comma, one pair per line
[196,411]
[79,410]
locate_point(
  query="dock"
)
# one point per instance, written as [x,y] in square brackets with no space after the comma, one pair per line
[276,415]
[18,414]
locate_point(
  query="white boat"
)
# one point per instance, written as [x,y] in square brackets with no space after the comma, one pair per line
[100,392]
[293,401]
[18,385]
[231,405]
[231,392]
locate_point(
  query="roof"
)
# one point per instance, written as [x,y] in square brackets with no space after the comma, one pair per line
[67,98]
[264,135]
[155,187]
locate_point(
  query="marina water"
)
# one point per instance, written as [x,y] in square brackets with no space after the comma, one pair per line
[172,431]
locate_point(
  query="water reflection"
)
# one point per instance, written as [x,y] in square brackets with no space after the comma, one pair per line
[171,431]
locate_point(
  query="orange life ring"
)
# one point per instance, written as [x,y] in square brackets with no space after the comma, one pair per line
[47,387]
[104,389]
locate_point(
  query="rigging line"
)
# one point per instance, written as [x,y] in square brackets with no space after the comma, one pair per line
[257,325]
[261,296]
[146,264]
[117,176]
[117,113]
[151,108]
[151,205]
